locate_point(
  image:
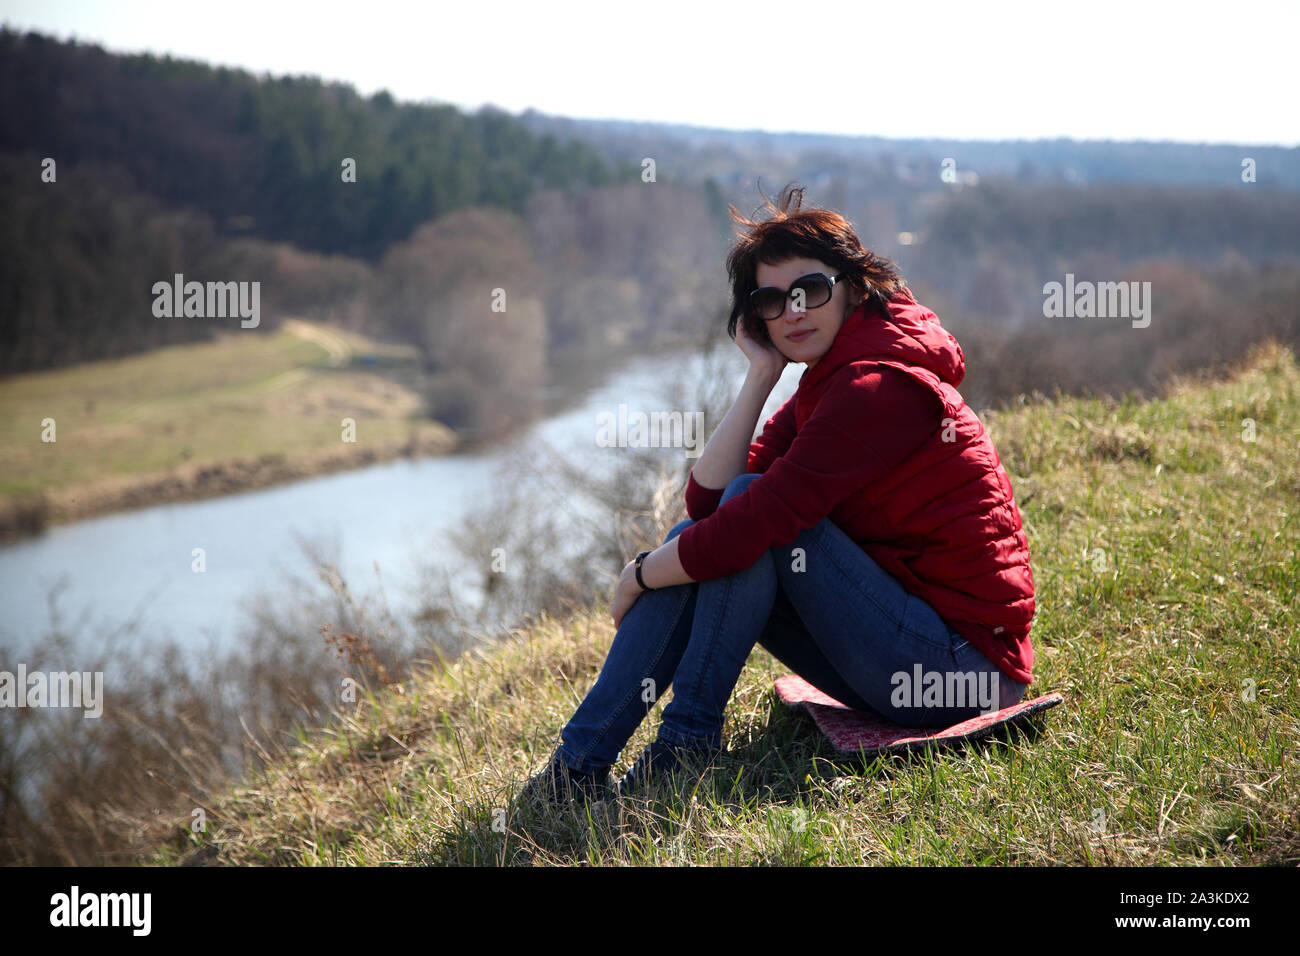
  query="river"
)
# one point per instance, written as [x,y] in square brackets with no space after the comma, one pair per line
[136,569]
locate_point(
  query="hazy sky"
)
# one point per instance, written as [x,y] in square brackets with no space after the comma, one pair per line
[1194,72]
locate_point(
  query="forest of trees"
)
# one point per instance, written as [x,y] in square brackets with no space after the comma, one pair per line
[166,166]
[264,157]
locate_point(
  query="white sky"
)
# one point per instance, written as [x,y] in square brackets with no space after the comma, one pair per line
[1192,72]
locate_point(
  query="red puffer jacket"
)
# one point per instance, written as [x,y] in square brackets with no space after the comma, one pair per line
[943,523]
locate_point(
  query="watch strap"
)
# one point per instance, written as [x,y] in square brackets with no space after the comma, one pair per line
[639,580]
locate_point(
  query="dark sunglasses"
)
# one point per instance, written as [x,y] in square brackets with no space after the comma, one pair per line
[768,303]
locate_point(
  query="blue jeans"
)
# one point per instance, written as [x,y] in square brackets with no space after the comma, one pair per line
[822,607]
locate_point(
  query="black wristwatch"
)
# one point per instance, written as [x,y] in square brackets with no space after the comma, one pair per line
[639,558]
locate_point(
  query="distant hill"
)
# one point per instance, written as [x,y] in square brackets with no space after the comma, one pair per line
[1076,162]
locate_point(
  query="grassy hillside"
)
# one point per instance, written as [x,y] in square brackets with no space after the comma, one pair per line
[1164,544]
[188,420]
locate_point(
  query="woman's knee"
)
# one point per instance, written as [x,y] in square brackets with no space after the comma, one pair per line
[734,487]
[678,528]
[791,560]
[738,484]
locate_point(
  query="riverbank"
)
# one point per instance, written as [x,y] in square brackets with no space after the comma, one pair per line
[193,481]
[187,422]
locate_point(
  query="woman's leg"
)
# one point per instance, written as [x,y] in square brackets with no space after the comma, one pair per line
[890,649]
[786,638]
[638,668]
[694,637]
[730,613]
[833,616]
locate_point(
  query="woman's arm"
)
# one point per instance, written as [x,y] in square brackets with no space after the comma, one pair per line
[724,457]
[726,453]
[866,423]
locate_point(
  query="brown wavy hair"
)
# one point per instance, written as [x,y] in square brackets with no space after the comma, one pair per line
[792,232]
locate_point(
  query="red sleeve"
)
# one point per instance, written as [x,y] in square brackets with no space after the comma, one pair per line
[777,434]
[700,501]
[868,420]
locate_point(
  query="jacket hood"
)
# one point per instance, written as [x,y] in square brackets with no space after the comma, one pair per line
[910,338]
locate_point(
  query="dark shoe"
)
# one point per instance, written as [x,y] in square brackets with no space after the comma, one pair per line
[660,760]
[557,783]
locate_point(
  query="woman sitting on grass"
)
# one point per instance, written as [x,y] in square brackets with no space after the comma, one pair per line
[868,538]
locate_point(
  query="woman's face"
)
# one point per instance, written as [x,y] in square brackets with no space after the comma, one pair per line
[805,336]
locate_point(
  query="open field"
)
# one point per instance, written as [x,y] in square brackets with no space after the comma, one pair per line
[248,410]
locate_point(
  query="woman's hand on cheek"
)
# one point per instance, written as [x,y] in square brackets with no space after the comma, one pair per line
[762,357]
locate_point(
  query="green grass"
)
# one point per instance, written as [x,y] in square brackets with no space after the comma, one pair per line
[244,396]
[1164,549]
